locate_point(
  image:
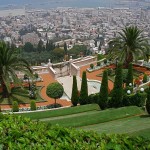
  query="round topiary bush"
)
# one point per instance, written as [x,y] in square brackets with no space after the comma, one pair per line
[55,90]
[15,107]
[32,105]
[91,66]
[98,63]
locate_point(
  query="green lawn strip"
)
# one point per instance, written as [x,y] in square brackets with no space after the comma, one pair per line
[97,117]
[144,133]
[126,126]
[61,112]
[69,116]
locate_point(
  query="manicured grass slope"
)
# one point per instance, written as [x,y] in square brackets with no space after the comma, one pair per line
[61,112]
[144,133]
[97,117]
[132,125]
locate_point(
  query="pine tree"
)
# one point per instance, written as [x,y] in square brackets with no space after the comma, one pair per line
[117,93]
[103,98]
[74,97]
[84,90]
[129,75]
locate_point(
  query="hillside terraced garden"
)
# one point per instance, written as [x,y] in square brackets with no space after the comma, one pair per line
[126,120]
[37,135]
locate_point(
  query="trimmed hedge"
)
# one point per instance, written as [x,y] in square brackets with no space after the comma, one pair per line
[33,105]
[37,135]
[15,107]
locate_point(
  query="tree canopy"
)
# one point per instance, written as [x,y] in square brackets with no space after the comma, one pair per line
[129,45]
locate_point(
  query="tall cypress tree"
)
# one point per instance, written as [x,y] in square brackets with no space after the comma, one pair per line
[130,75]
[65,48]
[74,96]
[117,93]
[103,98]
[84,90]
[148,101]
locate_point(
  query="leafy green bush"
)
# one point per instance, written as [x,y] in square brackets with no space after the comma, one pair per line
[98,64]
[99,57]
[128,100]
[139,99]
[33,105]
[91,66]
[93,98]
[1,116]
[105,61]
[15,107]
[56,137]
[145,78]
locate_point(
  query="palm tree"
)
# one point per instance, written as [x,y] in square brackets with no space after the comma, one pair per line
[129,45]
[10,63]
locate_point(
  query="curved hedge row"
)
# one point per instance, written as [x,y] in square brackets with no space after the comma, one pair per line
[22,133]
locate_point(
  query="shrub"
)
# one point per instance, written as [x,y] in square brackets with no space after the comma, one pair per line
[109,71]
[84,90]
[117,93]
[99,57]
[98,64]
[105,61]
[55,90]
[15,107]
[74,96]
[93,98]
[148,101]
[139,99]
[129,75]
[145,78]
[22,133]
[32,105]
[128,100]
[53,106]
[91,66]
[36,75]
[103,98]
[1,116]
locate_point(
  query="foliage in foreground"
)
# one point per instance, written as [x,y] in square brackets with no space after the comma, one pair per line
[56,137]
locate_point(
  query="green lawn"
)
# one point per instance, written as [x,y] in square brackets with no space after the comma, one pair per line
[96,117]
[21,95]
[61,112]
[144,133]
[133,126]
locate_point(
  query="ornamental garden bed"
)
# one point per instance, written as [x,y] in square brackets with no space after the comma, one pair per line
[21,95]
